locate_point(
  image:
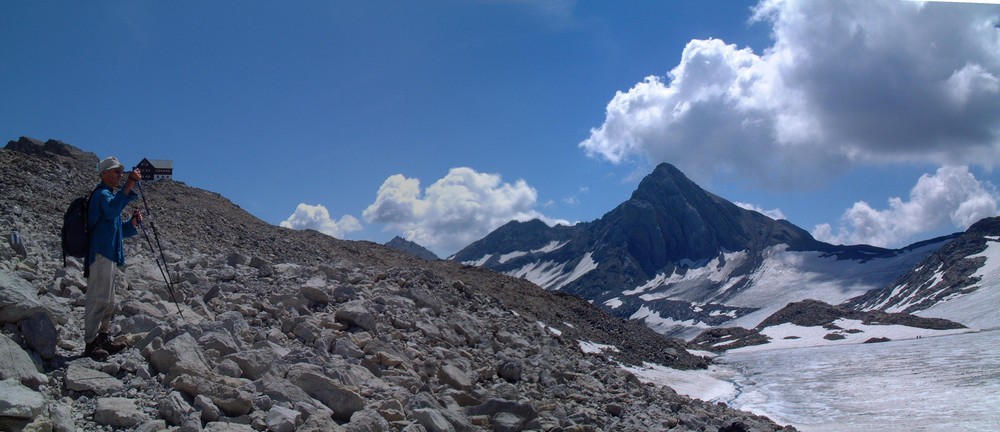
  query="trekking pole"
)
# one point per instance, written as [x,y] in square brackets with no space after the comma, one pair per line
[163,271]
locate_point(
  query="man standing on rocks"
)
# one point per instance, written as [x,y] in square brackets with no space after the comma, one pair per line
[106,253]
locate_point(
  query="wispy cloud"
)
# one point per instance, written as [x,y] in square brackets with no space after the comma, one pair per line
[558,13]
[950,197]
[454,211]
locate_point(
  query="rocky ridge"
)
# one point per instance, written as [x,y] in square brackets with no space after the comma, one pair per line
[813,313]
[283,330]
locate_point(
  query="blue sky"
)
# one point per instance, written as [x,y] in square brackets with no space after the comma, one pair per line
[861,121]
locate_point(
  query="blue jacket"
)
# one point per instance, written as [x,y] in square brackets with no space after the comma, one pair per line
[105,216]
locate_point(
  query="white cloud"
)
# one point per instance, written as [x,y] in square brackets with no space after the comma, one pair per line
[844,82]
[950,197]
[775,214]
[317,217]
[456,210]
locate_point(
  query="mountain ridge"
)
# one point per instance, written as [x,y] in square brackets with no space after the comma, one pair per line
[684,260]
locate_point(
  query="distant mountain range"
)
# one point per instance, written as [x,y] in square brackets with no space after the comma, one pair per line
[684,260]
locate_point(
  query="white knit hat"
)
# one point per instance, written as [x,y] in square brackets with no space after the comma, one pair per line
[109,162]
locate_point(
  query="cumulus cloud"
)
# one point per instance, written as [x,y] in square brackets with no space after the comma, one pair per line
[845,82]
[950,197]
[454,211]
[317,217]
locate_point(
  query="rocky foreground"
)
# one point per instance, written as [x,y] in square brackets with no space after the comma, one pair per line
[280,330]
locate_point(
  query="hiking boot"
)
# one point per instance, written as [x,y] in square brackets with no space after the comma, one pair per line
[94,351]
[108,344]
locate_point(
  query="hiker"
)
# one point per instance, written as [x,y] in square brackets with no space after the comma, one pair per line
[107,252]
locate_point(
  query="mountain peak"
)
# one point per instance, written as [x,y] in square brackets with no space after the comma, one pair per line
[411,248]
[666,178]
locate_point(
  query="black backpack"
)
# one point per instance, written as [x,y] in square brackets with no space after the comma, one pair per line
[76,230]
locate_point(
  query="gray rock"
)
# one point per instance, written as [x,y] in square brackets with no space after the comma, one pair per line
[356,313]
[455,377]
[493,407]
[315,291]
[81,378]
[209,412]
[281,419]
[347,349]
[118,412]
[254,363]
[173,408]
[18,298]
[220,426]
[367,421]
[17,364]
[19,401]
[180,356]
[510,370]
[432,420]
[221,342]
[342,400]
[61,413]
[229,368]
[155,426]
[426,299]
[40,334]
[507,422]
[234,259]
[229,394]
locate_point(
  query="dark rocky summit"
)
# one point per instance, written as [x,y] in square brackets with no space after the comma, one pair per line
[404,245]
[293,330]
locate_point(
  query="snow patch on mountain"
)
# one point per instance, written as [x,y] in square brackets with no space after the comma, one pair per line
[977,308]
[782,277]
[553,246]
[552,275]
[585,265]
[509,256]
[787,277]
[716,270]
[661,324]
[480,262]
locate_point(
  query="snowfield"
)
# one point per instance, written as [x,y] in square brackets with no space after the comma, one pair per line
[948,383]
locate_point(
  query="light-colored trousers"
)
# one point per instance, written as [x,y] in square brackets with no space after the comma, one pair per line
[99,307]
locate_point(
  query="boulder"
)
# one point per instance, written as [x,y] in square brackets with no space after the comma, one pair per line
[454,377]
[118,413]
[356,313]
[180,356]
[17,364]
[344,401]
[40,334]
[19,401]
[255,362]
[226,393]
[367,421]
[281,419]
[18,298]
[81,378]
